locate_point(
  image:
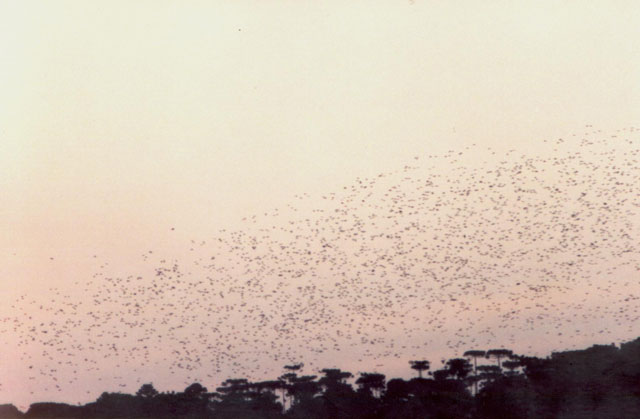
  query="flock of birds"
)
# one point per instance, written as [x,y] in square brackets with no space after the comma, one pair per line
[534,252]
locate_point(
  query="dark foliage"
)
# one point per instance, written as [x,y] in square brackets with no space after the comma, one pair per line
[599,382]
[9,411]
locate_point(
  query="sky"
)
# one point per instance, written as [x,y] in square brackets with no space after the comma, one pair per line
[164,127]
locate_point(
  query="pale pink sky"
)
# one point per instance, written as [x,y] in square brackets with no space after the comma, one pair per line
[122,120]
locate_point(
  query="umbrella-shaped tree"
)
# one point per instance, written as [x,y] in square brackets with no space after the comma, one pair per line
[420,366]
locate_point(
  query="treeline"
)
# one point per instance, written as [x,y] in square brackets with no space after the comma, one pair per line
[598,382]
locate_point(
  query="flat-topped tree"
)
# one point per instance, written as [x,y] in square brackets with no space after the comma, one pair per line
[499,354]
[511,366]
[294,367]
[420,366]
[475,354]
[489,372]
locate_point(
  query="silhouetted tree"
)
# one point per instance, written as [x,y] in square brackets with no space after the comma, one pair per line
[193,402]
[287,381]
[9,411]
[458,368]
[371,383]
[147,391]
[629,367]
[238,398]
[601,382]
[306,405]
[233,386]
[419,366]
[338,396]
[334,378]
[440,375]
[303,388]
[498,354]
[53,411]
[294,367]
[475,354]
[511,365]
[507,397]
[397,389]
[489,373]
[110,405]
[195,390]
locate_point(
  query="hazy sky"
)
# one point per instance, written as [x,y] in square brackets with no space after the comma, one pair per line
[121,120]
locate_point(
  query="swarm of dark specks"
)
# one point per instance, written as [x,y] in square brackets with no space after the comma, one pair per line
[450,253]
